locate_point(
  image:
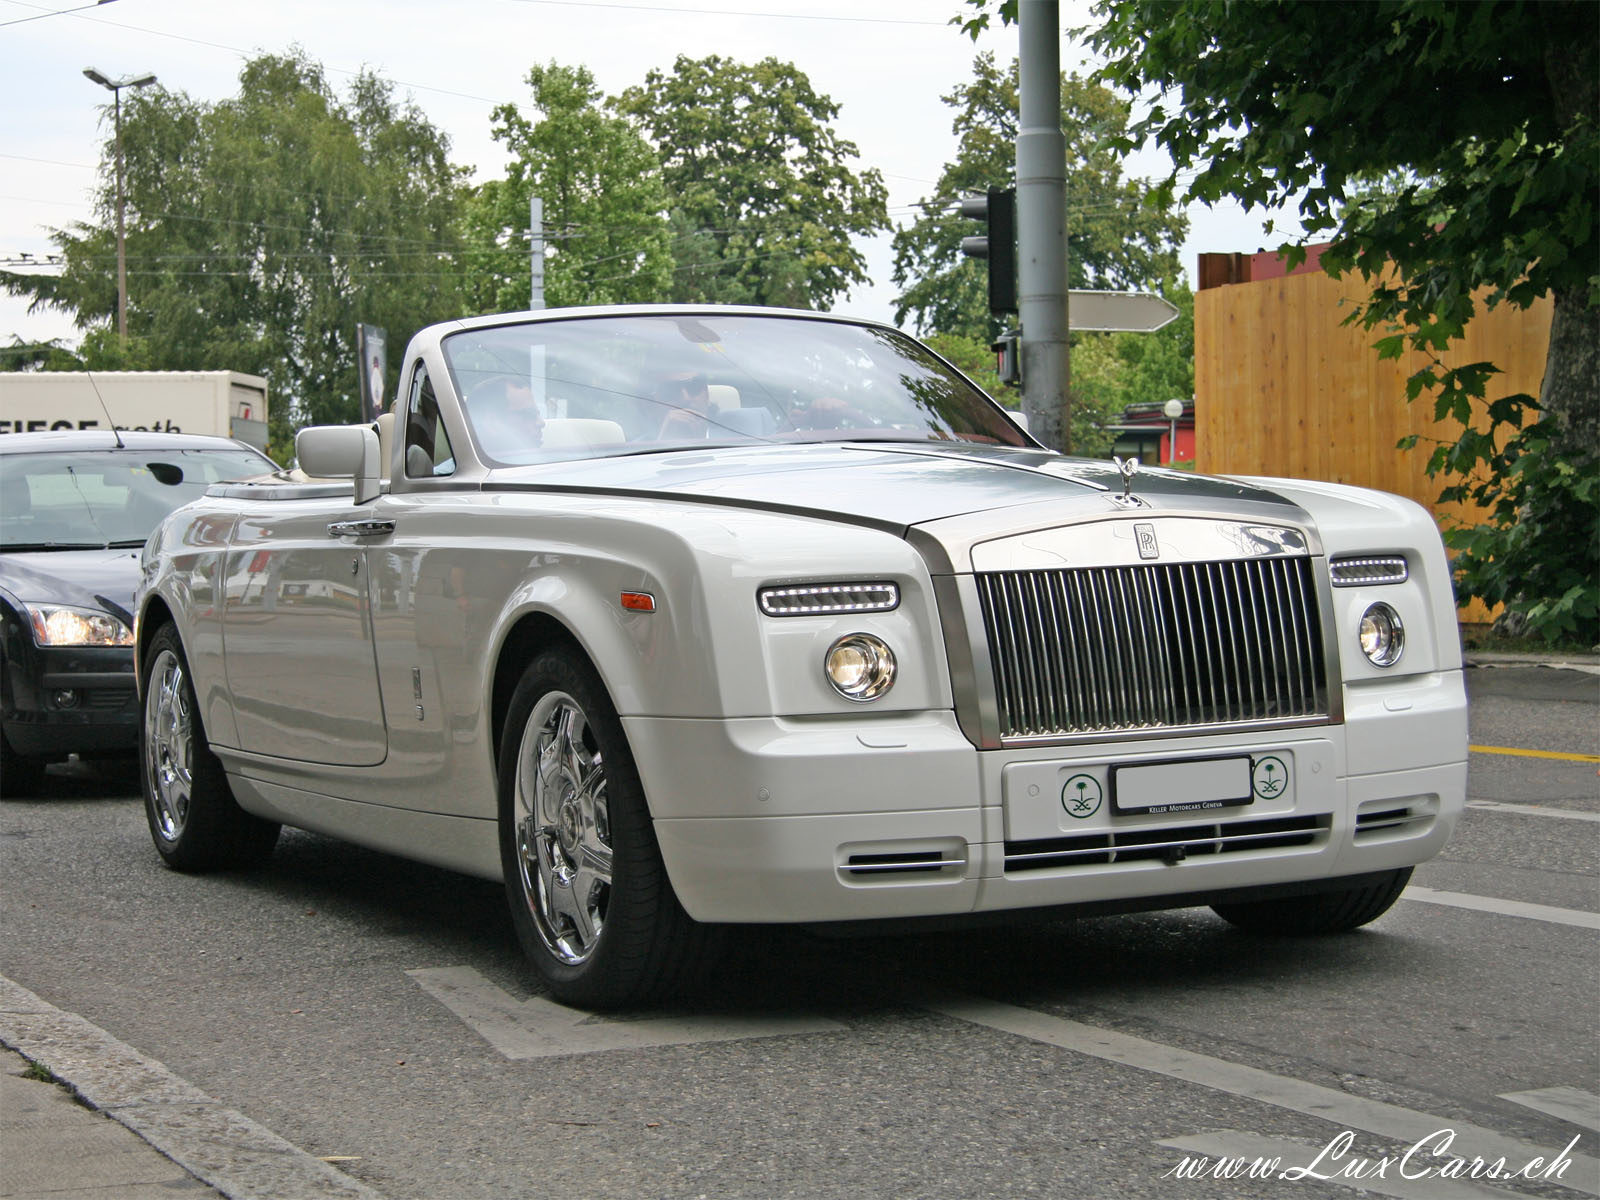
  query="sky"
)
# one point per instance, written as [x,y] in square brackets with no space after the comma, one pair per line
[886,63]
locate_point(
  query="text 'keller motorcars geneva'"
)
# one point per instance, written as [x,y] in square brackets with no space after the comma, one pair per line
[678,617]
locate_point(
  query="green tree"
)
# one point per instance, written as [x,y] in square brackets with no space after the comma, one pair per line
[765,206]
[1482,120]
[1115,240]
[975,359]
[49,355]
[261,230]
[604,203]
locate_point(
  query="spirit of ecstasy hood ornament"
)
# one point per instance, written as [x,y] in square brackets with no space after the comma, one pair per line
[1129,468]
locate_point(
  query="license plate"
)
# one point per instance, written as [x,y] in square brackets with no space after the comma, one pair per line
[1189,785]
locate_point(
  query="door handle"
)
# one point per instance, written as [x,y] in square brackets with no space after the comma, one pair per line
[360,528]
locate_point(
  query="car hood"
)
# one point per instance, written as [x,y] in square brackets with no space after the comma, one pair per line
[99,578]
[898,485]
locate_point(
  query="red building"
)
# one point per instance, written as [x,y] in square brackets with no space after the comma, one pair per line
[1145,432]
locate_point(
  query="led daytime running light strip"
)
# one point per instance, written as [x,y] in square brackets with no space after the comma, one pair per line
[1372,569]
[813,598]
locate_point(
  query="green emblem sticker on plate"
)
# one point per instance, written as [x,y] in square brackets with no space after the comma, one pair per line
[1269,777]
[1081,796]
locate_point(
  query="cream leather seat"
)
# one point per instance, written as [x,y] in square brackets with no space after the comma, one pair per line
[587,433]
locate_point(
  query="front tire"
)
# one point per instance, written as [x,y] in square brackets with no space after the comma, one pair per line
[1328,912]
[589,894]
[194,820]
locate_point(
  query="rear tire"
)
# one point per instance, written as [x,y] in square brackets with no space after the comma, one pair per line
[589,894]
[1328,912]
[194,820]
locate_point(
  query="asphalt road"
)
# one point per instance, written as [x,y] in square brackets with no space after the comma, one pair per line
[376,1012]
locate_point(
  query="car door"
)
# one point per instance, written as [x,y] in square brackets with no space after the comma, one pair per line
[297,633]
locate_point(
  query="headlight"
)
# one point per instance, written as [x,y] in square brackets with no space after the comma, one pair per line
[860,666]
[58,625]
[1383,637]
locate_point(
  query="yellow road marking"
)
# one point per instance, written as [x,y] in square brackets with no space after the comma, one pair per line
[1561,754]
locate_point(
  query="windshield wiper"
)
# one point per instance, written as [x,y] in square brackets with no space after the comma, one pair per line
[10,547]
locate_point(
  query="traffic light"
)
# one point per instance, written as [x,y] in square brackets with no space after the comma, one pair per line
[997,209]
[1007,358]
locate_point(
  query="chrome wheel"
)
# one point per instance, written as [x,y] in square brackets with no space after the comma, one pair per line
[563,828]
[169,746]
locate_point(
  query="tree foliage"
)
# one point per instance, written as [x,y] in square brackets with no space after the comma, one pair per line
[1482,118]
[51,355]
[604,203]
[764,202]
[1114,239]
[261,230]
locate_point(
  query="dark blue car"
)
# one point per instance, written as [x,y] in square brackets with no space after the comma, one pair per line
[75,509]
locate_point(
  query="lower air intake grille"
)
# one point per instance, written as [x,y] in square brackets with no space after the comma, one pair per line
[1387,820]
[1160,645]
[1165,845]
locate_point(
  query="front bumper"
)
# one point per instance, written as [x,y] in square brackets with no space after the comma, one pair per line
[69,700]
[766,820]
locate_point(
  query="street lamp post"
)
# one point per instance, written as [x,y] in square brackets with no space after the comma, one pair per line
[115,86]
[1173,409]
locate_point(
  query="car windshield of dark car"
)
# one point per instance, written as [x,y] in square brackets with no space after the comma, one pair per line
[542,391]
[106,497]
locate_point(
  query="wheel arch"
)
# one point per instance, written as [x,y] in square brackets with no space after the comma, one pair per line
[531,633]
[153,617]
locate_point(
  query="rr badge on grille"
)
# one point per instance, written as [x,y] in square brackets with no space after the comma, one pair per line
[1146,535]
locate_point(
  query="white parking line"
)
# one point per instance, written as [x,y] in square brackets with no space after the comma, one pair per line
[1505,908]
[540,1028]
[1535,810]
[1570,1104]
[1341,1108]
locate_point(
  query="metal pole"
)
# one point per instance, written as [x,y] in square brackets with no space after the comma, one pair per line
[1174,409]
[122,254]
[1042,224]
[115,86]
[536,242]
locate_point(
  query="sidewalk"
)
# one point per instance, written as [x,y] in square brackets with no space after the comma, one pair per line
[52,1146]
[140,1132]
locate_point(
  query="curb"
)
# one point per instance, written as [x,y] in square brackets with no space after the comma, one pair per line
[1588,663]
[217,1145]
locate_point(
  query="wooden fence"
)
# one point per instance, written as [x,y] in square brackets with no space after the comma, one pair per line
[1283,388]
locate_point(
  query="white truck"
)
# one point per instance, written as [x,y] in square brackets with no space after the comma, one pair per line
[222,403]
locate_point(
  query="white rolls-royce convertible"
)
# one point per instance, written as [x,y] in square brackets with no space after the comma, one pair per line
[679,617]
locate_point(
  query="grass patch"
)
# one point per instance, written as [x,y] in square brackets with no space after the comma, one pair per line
[38,1071]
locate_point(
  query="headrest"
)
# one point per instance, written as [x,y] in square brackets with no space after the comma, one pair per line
[582,432]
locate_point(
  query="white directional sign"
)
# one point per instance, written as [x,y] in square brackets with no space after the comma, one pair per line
[1117,312]
[540,1028]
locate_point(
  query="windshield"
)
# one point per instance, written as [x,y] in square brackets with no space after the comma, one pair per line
[544,391]
[106,497]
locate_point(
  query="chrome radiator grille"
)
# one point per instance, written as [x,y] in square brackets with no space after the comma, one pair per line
[1160,645]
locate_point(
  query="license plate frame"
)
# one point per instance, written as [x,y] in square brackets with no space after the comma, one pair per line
[1199,785]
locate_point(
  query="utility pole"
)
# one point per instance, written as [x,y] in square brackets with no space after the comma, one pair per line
[536,243]
[1042,223]
[115,86]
